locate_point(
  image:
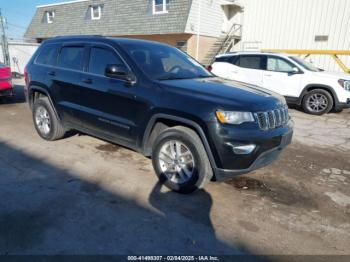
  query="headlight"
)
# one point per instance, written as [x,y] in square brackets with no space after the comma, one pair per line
[232,117]
[344,84]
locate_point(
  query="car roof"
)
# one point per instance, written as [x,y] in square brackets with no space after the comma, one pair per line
[99,38]
[250,53]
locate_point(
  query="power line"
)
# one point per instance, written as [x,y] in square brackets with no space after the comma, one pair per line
[18,26]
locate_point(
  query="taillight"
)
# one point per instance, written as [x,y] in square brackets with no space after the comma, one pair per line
[210,68]
[26,76]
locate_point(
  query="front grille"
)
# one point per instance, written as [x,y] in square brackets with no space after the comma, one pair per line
[273,119]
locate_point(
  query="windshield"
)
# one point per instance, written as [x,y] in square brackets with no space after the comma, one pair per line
[162,62]
[305,64]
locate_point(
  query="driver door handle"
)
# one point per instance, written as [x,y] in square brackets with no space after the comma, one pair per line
[87,81]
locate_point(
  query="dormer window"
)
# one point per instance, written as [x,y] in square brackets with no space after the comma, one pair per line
[50,15]
[160,6]
[96,11]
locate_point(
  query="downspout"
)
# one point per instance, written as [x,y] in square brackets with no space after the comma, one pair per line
[198,27]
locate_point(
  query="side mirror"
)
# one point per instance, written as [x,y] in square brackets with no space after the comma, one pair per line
[119,72]
[294,71]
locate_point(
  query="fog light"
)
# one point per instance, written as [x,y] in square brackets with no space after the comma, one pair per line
[243,149]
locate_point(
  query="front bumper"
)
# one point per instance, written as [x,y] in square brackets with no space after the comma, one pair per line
[267,151]
[263,160]
[345,105]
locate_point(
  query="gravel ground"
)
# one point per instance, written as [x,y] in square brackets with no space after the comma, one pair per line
[82,195]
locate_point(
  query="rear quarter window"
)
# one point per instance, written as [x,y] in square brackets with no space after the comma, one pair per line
[48,55]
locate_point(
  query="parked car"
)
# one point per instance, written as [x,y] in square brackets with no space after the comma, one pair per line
[6,88]
[301,83]
[157,100]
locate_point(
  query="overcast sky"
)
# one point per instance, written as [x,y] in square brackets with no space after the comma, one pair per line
[18,14]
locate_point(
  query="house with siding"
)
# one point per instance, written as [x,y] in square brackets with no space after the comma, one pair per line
[202,28]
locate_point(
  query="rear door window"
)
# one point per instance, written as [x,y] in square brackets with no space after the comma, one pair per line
[100,58]
[48,56]
[250,61]
[71,57]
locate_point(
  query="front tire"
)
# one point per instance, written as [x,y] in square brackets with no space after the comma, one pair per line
[317,102]
[180,160]
[45,120]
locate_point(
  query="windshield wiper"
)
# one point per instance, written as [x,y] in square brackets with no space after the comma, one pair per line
[177,78]
[208,76]
[173,78]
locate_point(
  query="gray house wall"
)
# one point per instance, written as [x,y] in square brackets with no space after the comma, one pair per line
[211,17]
[119,17]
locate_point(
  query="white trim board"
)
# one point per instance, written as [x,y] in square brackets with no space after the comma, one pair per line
[62,3]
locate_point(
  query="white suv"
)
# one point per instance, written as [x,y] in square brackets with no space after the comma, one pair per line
[300,82]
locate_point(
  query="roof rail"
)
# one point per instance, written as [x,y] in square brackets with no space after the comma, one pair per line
[77,36]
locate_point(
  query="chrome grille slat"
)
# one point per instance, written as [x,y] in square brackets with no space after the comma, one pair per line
[282,113]
[285,112]
[273,118]
[277,117]
[280,117]
[266,117]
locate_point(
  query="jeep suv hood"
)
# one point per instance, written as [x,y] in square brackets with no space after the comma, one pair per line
[229,93]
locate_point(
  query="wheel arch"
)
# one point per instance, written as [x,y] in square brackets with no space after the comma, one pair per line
[311,87]
[160,121]
[35,92]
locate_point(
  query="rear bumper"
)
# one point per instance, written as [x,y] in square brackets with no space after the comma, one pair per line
[6,92]
[6,88]
[262,160]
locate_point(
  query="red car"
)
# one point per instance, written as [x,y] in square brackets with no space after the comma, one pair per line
[6,88]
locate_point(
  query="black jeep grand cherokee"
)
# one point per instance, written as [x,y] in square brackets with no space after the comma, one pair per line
[157,100]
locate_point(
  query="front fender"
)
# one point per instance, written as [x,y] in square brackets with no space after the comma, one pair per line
[187,121]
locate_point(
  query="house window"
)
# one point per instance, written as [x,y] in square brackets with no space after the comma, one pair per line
[50,15]
[95,12]
[160,6]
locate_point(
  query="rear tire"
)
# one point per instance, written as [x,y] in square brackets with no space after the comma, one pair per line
[180,160]
[45,120]
[317,102]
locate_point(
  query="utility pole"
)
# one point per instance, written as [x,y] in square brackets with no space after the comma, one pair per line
[4,44]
